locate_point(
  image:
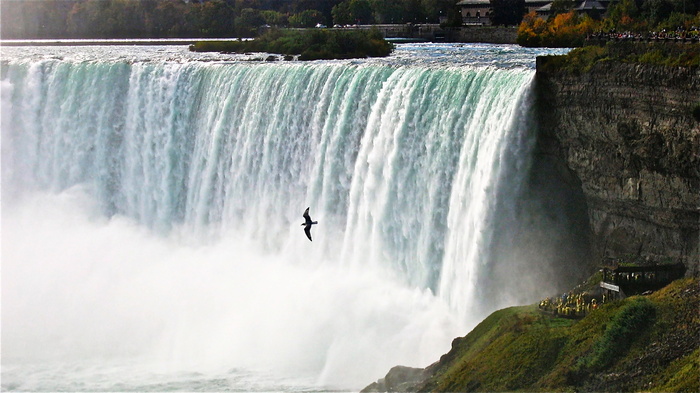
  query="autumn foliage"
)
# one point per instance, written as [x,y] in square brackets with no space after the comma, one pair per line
[563,30]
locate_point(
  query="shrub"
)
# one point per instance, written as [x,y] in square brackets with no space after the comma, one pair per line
[620,333]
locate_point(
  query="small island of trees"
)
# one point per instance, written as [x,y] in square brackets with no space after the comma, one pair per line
[311,44]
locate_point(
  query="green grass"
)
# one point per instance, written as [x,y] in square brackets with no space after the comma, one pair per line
[518,349]
[683,375]
[620,333]
[581,60]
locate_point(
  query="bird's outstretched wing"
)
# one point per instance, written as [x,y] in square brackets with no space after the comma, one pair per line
[306,215]
[307,230]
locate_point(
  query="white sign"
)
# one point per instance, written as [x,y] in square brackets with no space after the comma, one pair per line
[611,287]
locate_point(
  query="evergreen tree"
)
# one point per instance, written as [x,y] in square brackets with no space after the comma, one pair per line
[507,12]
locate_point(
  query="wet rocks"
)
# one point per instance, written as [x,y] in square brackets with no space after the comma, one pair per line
[398,379]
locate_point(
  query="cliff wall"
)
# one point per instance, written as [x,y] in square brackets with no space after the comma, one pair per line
[630,133]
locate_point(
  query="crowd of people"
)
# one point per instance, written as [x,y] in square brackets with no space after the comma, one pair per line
[572,305]
[692,34]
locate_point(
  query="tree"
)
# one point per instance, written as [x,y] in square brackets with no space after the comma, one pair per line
[168,19]
[216,19]
[274,18]
[657,10]
[361,11]
[308,18]
[561,7]
[341,14]
[434,10]
[507,12]
[322,6]
[385,11]
[126,18]
[563,30]
[353,11]
[622,15]
[531,30]
[248,21]
[86,19]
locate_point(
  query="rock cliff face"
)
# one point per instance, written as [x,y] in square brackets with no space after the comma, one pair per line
[630,133]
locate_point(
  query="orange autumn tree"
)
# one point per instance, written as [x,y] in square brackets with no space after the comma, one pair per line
[564,30]
[531,30]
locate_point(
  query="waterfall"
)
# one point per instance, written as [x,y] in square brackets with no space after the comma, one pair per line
[404,167]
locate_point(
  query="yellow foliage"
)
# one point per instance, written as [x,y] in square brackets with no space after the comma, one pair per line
[566,29]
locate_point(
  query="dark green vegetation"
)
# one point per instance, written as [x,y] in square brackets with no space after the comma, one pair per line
[580,60]
[642,343]
[696,112]
[308,44]
[202,18]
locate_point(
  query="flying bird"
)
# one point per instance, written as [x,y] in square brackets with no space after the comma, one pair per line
[308,223]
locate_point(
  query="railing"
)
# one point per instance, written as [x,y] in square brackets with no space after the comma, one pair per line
[691,36]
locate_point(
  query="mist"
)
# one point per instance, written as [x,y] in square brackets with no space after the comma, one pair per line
[79,286]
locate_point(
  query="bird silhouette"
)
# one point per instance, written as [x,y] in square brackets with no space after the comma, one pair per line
[308,223]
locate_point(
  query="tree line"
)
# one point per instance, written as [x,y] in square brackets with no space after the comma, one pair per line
[203,18]
[567,28]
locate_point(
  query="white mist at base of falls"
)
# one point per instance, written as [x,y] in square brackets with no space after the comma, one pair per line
[152,208]
[87,287]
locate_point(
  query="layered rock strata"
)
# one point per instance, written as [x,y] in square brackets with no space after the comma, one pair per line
[630,133]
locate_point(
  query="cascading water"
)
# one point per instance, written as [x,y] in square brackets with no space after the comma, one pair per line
[152,211]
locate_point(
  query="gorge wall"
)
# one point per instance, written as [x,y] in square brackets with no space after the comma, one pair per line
[628,133]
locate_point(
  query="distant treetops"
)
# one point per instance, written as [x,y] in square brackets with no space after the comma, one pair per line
[204,18]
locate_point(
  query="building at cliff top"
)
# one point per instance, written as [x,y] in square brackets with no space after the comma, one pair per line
[479,12]
[475,12]
[622,281]
[593,8]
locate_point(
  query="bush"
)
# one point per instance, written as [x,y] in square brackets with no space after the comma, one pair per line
[620,334]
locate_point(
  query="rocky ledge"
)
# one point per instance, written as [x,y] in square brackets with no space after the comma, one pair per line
[630,133]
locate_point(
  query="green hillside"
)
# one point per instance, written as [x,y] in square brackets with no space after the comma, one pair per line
[642,343]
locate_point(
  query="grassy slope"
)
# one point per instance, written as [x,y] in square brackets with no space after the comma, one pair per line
[580,60]
[646,343]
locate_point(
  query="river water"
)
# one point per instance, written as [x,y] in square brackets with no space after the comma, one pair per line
[152,202]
